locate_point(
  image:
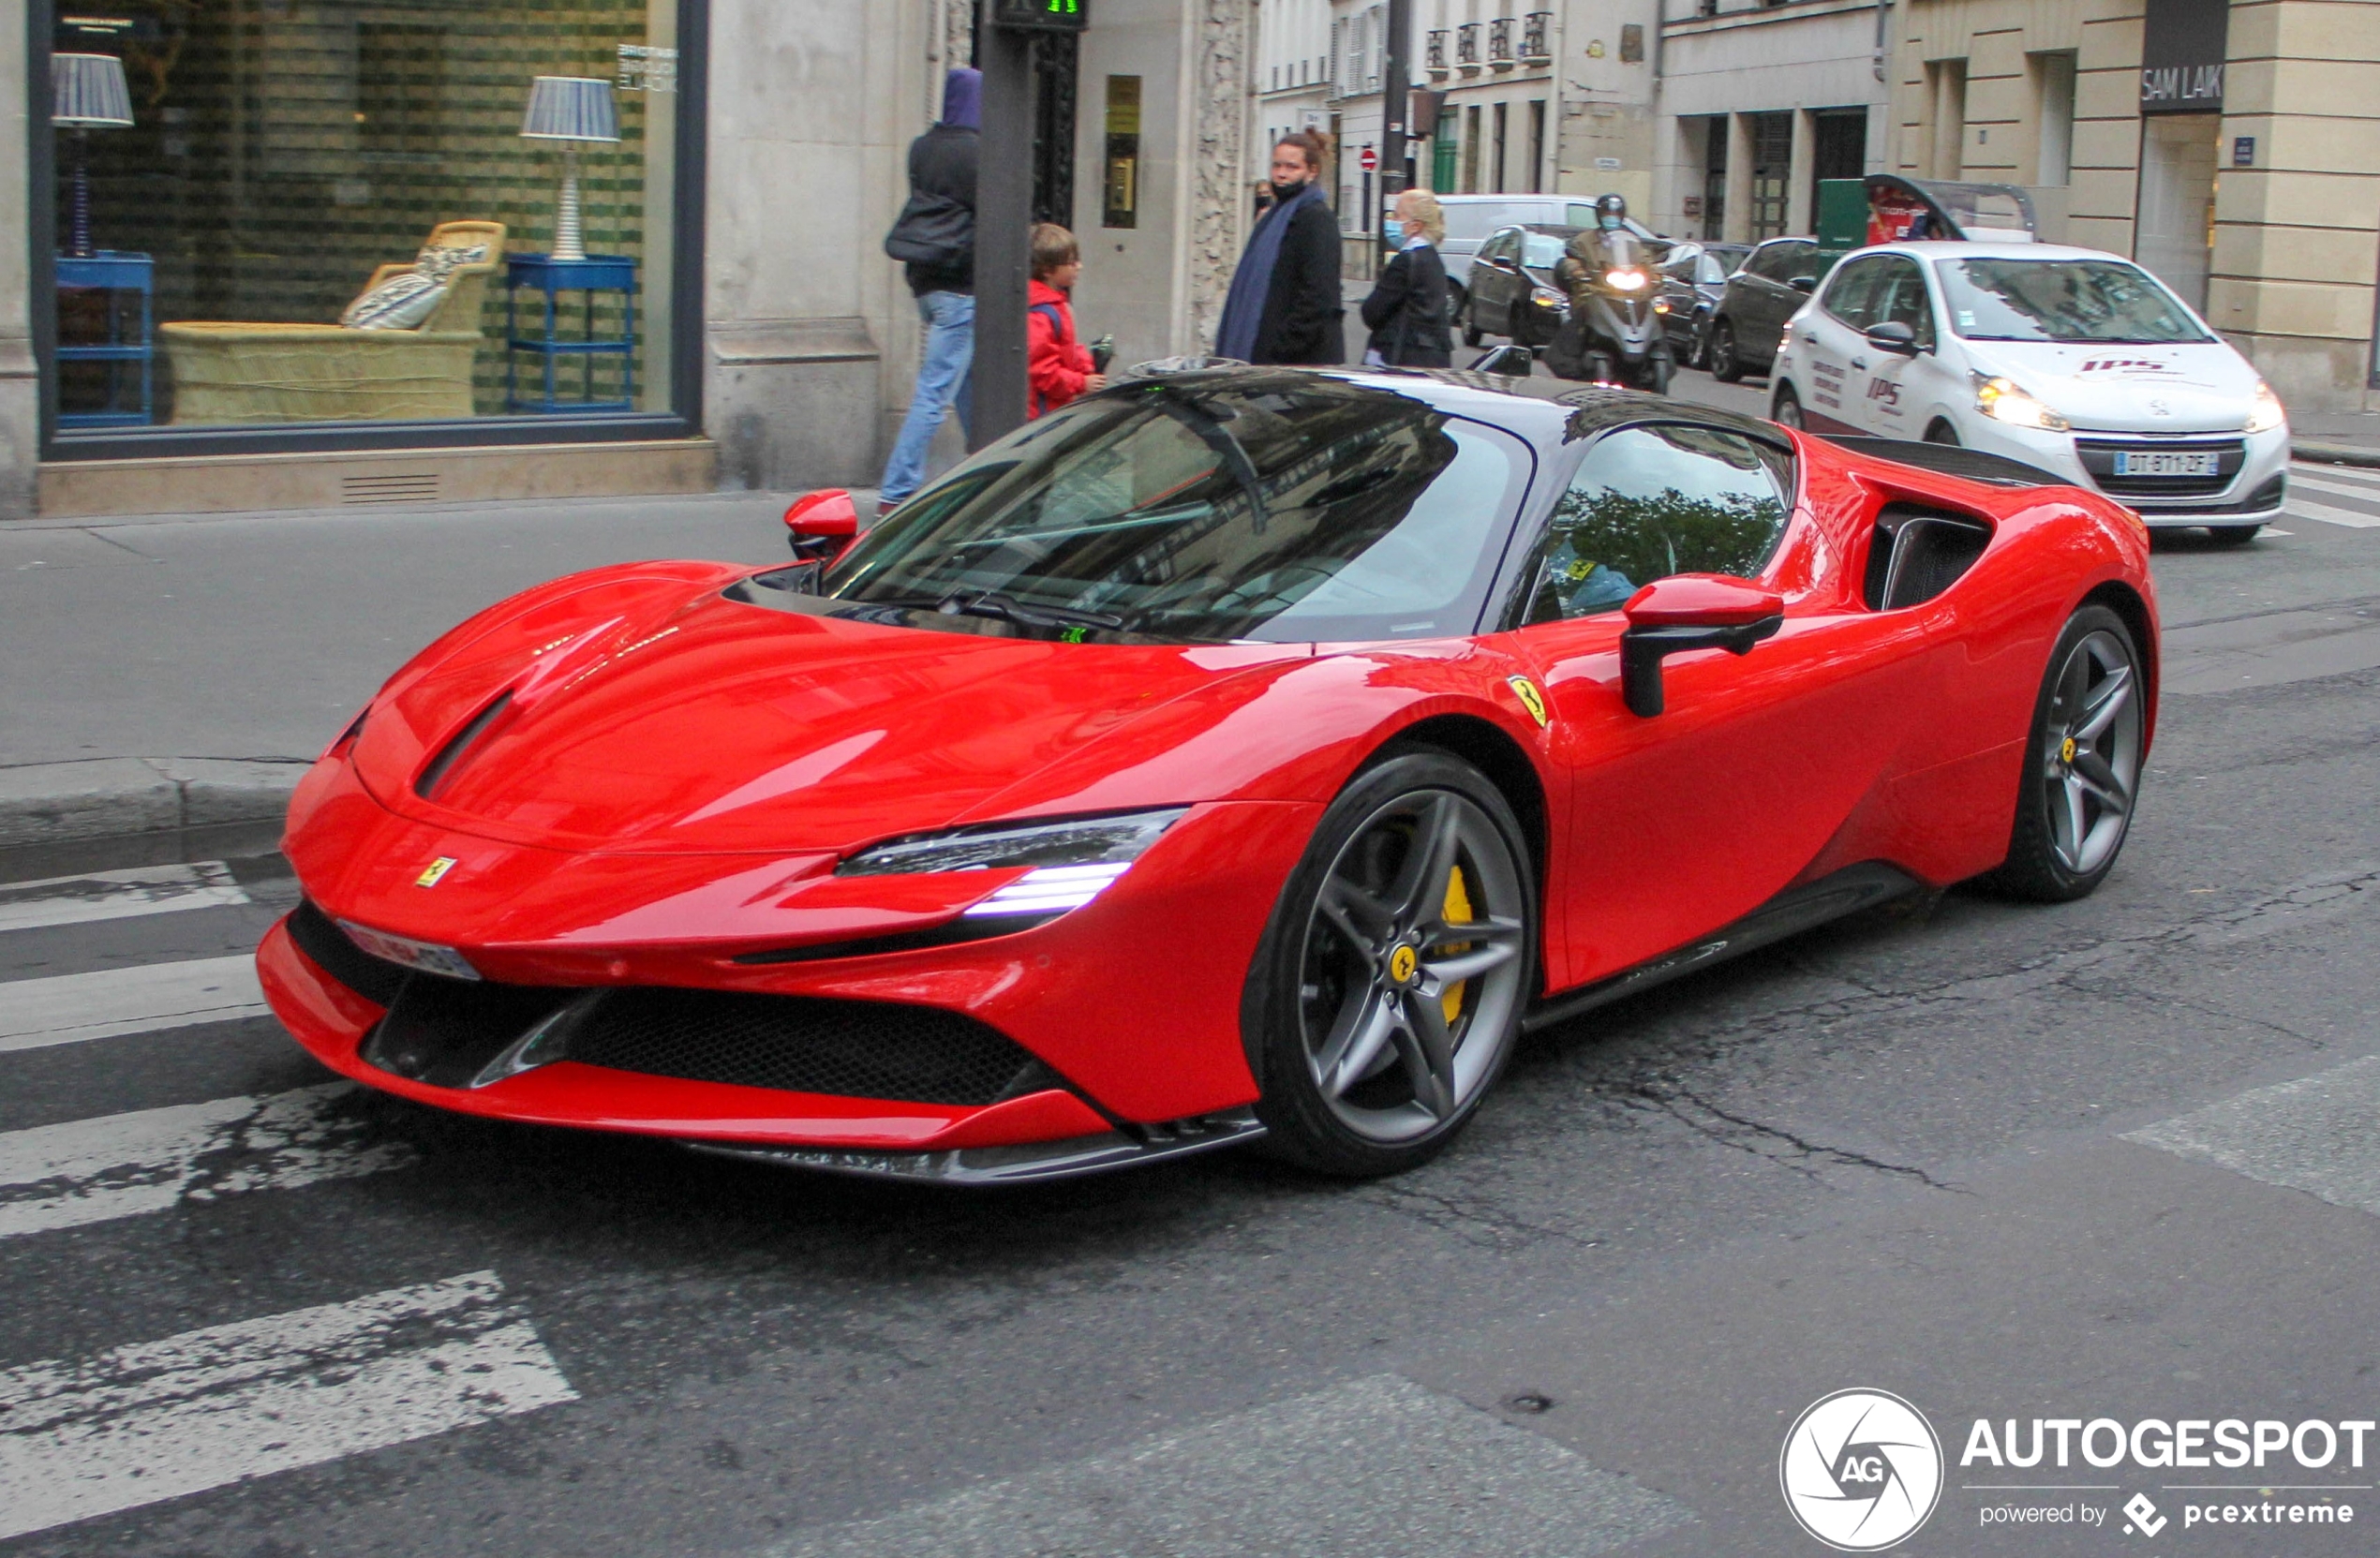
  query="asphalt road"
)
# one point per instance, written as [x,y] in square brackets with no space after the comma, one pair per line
[2006,1162]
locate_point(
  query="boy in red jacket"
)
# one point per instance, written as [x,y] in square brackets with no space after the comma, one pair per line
[1057,366]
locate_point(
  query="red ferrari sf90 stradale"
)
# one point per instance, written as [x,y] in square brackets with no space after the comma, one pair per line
[1237,752]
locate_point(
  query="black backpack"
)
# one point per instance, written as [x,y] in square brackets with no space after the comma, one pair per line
[933,230]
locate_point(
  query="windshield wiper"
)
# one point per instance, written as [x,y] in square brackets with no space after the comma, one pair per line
[1005,608]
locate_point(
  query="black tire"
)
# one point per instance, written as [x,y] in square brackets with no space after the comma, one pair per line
[1472,334]
[1326,977]
[1657,373]
[2043,866]
[2233,535]
[1943,432]
[1727,363]
[1786,408]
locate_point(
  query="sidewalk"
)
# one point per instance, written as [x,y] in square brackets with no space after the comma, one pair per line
[2342,437]
[162,673]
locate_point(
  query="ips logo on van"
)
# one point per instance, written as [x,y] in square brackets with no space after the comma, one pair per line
[1861,1470]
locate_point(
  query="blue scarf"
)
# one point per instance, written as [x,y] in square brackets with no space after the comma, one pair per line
[1244,305]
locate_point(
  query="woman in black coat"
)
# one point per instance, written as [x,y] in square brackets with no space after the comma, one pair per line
[1284,301]
[1410,304]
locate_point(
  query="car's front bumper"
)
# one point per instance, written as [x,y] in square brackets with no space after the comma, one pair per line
[1117,1025]
[2255,493]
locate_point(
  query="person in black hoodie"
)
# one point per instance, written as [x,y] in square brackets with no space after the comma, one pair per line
[941,214]
[1407,308]
[1286,303]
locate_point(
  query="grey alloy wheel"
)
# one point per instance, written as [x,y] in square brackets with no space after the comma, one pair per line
[1396,970]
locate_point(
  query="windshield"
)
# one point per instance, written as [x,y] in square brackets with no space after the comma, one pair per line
[1541,251]
[2062,300]
[1276,508]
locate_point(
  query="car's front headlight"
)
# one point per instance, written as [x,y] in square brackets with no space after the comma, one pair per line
[2002,401]
[1546,297]
[1070,860]
[2265,412]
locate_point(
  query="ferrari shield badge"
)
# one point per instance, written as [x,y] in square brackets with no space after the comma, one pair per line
[434,872]
[1531,699]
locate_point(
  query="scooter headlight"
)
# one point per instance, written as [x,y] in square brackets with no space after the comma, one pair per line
[2002,401]
[1624,280]
[2265,412]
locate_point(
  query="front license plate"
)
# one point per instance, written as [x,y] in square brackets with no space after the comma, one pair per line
[2164,461]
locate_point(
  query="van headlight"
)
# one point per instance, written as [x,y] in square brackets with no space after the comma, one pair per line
[2264,411]
[2002,400]
[1071,860]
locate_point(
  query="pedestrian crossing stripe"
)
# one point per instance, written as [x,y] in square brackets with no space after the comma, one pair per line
[85,1437]
[117,895]
[72,1008]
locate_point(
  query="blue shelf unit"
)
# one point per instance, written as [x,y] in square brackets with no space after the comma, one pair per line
[118,274]
[550,348]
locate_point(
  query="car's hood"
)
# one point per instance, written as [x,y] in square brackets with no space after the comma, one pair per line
[654,715]
[2200,387]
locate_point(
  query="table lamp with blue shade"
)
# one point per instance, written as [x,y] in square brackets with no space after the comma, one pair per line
[87,92]
[574,110]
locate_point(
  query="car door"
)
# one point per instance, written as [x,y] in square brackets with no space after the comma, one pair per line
[1833,353]
[1684,822]
[1781,263]
[1893,397]
[1499,275]
[1677,299]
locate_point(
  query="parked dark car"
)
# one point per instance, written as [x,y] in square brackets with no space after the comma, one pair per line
[1776,280]
[1692,280]
[1513,291]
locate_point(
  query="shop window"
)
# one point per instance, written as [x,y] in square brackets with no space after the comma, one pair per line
[326,213]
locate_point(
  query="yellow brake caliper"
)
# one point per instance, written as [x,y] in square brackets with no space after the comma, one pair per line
[1458,911]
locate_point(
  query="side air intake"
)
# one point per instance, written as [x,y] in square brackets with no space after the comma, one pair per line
[1916,554]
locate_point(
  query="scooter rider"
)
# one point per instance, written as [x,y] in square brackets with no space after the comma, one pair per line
[1611,332]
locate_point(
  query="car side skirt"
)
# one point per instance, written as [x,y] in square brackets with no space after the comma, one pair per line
[1789,913]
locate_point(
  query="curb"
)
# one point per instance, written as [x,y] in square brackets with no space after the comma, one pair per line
[2334,454]
[110,797]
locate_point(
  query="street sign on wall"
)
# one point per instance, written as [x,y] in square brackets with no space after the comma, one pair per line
[2182,56]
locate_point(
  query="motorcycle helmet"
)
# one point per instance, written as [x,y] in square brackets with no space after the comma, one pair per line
[1611,210]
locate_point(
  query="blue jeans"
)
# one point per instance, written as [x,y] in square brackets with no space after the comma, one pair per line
[942,377]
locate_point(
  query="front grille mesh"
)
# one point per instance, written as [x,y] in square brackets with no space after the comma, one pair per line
[802,1044]
[852,1048]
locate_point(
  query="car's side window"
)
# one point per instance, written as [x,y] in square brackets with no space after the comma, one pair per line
[1900,299]
[1656,500]
[1714,270]
[1851,293]
[1795,258]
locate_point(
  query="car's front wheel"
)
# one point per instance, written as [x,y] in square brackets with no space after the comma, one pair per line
[1472,334]
[1786,410]
[2082,767]
[1727,364]
[1389,990]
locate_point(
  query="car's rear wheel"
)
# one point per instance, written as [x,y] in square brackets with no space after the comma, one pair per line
[2233,535]
[1786,410]
[1388,991]
[2082,767]
[1727,366]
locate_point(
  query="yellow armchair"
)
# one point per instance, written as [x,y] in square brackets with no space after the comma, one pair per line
[230,373]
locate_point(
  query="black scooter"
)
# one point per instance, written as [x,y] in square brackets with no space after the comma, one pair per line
[1614,334]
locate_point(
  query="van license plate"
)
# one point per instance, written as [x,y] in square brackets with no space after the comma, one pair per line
[2165,462]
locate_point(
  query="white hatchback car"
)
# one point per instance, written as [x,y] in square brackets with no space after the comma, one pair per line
[2075,360]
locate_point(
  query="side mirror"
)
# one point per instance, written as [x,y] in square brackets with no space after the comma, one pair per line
[1689,610]
[1893,336]
[821,524]
[1513,361]
[1804,284]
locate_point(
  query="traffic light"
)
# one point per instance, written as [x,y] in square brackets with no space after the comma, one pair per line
[1049,16]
